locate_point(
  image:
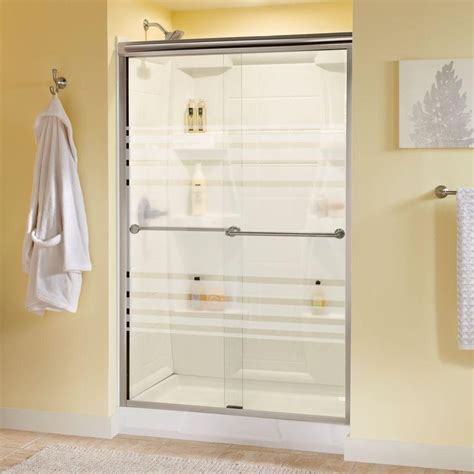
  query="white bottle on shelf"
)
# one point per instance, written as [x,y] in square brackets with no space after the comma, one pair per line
[198,192]
[196,300]
[318,300]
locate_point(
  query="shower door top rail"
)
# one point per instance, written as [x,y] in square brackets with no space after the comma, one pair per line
[234,231]
[210,45]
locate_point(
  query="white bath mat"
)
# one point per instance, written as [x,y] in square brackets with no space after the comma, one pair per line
[71,459]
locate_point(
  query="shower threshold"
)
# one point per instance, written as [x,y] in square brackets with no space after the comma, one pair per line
[268,396]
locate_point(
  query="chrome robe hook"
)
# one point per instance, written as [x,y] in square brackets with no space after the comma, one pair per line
[59,82]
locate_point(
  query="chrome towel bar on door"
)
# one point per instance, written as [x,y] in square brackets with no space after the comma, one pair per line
[234,231]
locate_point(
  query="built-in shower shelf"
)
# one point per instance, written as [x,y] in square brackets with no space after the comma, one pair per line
[204,71]
[325,317]
[198,141]
[204,66]
[336,63]
[205,312]
[237,312]
[333,66]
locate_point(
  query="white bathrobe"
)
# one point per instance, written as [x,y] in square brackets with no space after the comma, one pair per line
[56,244]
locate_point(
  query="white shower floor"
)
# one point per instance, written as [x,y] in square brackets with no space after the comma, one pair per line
[294,398]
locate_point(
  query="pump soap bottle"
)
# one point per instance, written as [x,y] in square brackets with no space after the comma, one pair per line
[201,116]
[195,295]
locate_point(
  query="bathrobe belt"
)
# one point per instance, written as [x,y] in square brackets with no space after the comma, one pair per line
[56,240]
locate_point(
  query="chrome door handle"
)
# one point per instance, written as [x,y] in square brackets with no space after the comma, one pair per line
[234,231]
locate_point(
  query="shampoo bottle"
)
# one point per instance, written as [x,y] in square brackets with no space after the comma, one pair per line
[201,116]
[190,116]
[318,300]
[198,192]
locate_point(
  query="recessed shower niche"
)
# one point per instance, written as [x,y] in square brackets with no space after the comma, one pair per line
[235,231]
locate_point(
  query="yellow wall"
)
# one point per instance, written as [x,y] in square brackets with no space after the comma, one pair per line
[125,19]
[409,380]
[321,17]
[57,362]
[63,362]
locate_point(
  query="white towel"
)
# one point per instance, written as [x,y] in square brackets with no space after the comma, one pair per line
[465,212]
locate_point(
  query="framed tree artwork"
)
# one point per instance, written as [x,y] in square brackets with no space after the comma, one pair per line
[437,103]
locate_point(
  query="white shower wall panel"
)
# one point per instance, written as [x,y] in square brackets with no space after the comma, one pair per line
[298,114]
[149,77]
[149,87]
[297,258]
[151,353]
[275,113]
[270,154]
[272,80]
[294,362]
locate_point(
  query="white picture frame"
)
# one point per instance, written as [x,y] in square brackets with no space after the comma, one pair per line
[436,103]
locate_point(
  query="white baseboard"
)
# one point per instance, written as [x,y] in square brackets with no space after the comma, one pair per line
[267,432]
[409,454]
[60,423]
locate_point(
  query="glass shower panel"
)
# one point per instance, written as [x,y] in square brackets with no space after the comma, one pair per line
[225,151]
[184,322]
[293,117]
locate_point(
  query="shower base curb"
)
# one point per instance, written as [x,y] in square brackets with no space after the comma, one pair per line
[245,430]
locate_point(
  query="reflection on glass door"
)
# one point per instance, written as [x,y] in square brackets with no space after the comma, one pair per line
[237,186]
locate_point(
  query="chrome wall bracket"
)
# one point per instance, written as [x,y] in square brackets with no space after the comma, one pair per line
[442,191]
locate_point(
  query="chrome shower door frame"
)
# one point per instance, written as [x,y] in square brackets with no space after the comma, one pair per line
[341,41]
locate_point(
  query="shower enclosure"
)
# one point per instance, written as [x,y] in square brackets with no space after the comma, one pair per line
[234,178]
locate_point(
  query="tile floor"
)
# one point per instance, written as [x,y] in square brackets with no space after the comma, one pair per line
[15,446]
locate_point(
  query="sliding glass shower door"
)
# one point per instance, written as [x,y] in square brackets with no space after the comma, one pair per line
[235,203]
[185,281]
